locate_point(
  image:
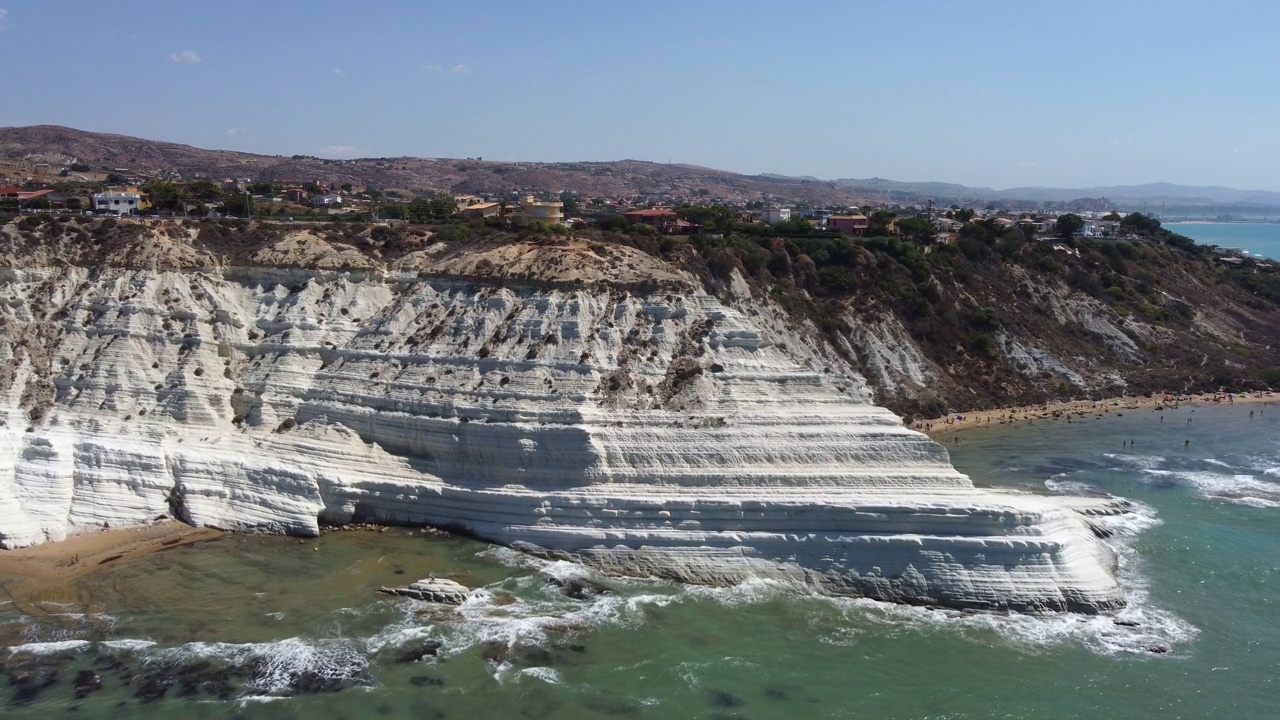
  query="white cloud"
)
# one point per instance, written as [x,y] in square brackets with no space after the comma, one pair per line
[4,19]
[235,132]
[186,57]
[337,72]
[338,151]
[459,69]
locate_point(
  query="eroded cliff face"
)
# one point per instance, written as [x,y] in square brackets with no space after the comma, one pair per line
[646,428]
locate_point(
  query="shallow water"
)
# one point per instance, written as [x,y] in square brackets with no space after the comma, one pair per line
[1258,238]
[263,626]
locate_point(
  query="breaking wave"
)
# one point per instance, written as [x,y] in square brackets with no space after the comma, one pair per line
[1140,628]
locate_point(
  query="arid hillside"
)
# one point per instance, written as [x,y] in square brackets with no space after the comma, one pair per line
[936,328]
[624,178]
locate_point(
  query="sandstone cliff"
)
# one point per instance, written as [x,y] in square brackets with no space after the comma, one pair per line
[569,398]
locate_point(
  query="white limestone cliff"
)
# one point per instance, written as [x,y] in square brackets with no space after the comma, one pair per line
[646,432]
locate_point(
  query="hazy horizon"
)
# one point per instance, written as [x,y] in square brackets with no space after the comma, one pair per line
[991,94]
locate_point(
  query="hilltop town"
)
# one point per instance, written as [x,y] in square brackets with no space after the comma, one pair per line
[60,170]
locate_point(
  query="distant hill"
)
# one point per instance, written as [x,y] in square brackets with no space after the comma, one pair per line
[1183,195]
[623,178]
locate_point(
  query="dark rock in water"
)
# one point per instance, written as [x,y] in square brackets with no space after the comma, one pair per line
[496,652]
[87,681]
[576,647]
[153,687]
[776,693]
[426,712]
[1126,623]
[1158,649]
[610,705]
[425,681]
[579,588]
[435,590]
[533,656]
[720,698]
[29,679]
[25,694]
[419,652]
[313,683]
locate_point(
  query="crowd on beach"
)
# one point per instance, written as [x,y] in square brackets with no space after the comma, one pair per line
[1078,409]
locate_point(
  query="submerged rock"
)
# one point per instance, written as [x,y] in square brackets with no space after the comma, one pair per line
[579,588]
[86,682]
[419,652]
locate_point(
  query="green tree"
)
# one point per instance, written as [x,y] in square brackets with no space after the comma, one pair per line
[570,202]
[239,204]
[204,190]
[975,231]
[432,209]
[1140,224]
[717,218]
[166,196]
[879,222]
[1068,225]
[793,226]
[916,229]
[265,188]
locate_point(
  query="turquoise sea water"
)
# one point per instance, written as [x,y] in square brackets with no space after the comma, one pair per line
[1258,238]
[256,626]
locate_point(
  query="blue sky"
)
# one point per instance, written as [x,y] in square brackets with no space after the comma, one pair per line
[981,92]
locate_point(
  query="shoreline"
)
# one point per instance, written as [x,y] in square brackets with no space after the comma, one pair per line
[46,572]
[938,428]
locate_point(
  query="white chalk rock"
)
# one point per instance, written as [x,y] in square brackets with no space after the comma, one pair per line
[660,433]
[434,590]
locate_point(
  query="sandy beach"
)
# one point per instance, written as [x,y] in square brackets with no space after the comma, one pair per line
[942,427]
[48,571]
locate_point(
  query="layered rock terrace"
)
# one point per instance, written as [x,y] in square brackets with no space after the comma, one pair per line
[569,399]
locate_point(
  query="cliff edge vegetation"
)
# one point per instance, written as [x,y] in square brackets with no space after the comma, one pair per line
[995,318]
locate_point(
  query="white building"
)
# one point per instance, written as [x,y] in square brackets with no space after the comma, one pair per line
[531,210]
[773,216]
[1100,228]
[118,203]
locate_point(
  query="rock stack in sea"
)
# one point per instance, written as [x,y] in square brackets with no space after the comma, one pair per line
[574,400]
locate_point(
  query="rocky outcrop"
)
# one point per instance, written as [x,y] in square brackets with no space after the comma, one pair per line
[642,428]
[433,590]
